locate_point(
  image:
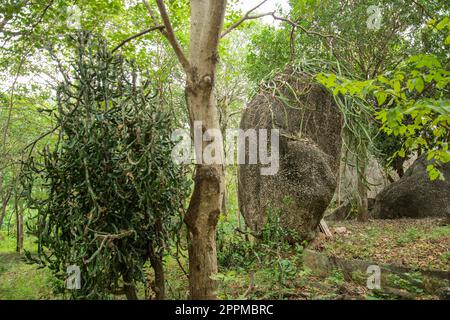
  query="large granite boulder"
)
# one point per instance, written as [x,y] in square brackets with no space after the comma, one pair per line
[310,146]
[415,195]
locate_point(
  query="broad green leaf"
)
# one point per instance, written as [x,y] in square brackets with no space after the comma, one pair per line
[442,24]
[381,97]
[419,84]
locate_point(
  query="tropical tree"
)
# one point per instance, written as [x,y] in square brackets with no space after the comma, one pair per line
[107,194]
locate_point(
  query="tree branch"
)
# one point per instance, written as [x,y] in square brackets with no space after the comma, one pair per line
[246,17]
[243,19]
[257,6]
[41,17]
[170,34]
[8,16]
[310,32]
[154,18]
[27,32]
[215,23]
[11,102]
[62,123]
[424,10]
[136,36]
[294,25]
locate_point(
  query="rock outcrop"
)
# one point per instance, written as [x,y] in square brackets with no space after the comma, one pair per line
[309,154]
[415,195]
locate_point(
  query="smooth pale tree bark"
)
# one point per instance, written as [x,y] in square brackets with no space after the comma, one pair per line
[206,202]
[207,18]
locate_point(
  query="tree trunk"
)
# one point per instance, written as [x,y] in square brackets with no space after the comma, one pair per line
[363,210]
[398,166]
[202,218]
[4,207]
[207,18]
[19,228]
[156,261]
[129,287]
[339,177]
[206,201]
[225,201]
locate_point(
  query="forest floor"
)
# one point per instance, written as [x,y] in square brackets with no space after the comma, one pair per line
[413,243]
[417,244]
[272,272]
[19,280]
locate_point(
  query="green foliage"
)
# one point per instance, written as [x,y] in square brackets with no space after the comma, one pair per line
[268,52]
[233,250]
[276,261]
[273,232]
[225,279]
[8,242]
[336,277]
[19,280]
[100,193]
[112,192]
[439,232]
[336,31]
[409,236]
[411,282]
[412,103]
[446,257]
